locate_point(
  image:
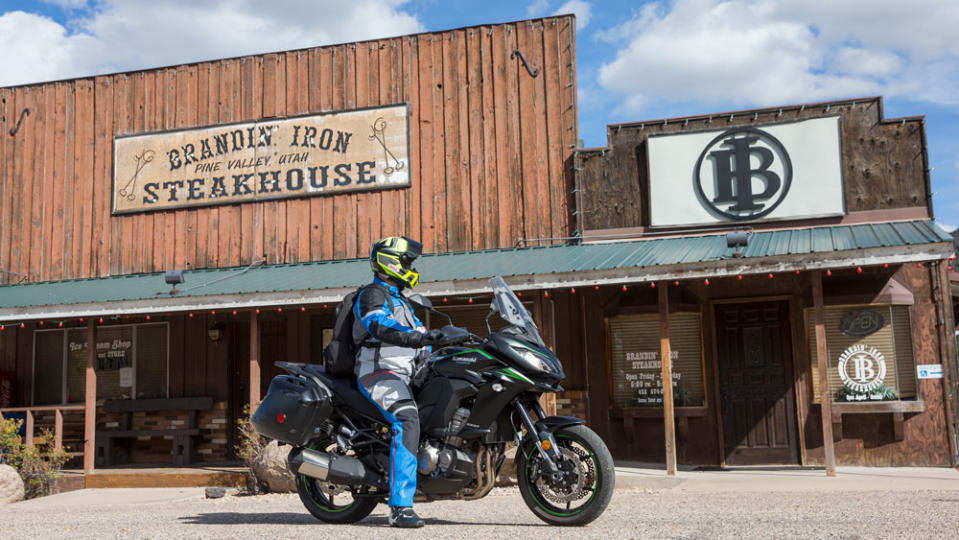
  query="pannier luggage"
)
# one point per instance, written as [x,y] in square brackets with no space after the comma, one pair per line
[294,410]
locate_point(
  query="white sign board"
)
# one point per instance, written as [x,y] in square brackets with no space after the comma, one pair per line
[929,371]
[746,174]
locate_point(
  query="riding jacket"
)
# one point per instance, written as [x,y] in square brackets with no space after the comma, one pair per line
[386,330]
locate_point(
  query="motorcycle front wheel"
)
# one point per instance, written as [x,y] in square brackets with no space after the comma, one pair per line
[586,486]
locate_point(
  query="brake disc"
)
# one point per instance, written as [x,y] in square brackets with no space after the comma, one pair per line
[557,492]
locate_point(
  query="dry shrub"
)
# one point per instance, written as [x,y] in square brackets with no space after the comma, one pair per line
[38,466]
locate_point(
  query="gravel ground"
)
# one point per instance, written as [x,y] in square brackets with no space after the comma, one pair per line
[670,513]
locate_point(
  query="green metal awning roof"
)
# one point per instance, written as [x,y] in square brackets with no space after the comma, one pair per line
[466,273]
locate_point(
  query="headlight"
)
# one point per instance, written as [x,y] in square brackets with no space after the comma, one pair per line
[536,361]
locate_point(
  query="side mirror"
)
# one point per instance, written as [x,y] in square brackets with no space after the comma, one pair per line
[420,300]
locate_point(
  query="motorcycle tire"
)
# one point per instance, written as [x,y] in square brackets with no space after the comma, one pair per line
[583,450]
[324,508]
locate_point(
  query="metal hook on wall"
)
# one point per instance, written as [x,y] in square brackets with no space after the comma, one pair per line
[532,72]
[15,129]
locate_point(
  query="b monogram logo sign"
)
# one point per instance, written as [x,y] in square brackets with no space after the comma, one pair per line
[743,174]
[862,368]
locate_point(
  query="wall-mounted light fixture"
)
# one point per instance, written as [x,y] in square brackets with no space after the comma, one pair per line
[215,332]
[737,239]
[173,277]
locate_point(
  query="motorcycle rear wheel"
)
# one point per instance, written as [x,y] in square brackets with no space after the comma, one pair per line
[324,507]
[587,459]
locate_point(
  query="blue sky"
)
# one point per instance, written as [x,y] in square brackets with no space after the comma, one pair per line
[636,60]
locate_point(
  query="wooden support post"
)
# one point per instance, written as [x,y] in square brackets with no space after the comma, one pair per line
[822,360]
[254,361]
[58,430]
[90,401]
[29,429]
[665,353]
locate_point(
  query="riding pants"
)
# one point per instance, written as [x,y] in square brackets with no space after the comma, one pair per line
[391,394]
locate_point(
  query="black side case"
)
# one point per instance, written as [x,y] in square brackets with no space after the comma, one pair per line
[294,410]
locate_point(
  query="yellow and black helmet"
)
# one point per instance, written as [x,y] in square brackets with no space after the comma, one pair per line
[393,257]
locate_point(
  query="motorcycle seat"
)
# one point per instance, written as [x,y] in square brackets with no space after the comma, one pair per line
[345,391]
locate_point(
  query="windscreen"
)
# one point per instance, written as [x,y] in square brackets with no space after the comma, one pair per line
[512,310]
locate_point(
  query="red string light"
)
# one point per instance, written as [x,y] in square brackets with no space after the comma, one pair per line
[60,324]
[470,300]
[191,315]
[101,322]
[24,326]
[885,265]
[595,287]
[234,312]
[41,323]
[445,300]
[706,281]
[828,272]
[545,294]
[279,310]
[652,284]
[81,319]
[324,306]
[572,290]
[918,265]
[212,312]
[739,277]
[302,309]
[770,276]
[257,311]
[624,288]
[797,272]
[859,270]
[148,317]
[676,283]
[520,293]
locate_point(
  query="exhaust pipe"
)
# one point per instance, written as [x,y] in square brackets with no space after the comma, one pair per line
[333,468]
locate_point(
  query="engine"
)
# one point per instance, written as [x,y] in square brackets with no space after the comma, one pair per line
[446,459]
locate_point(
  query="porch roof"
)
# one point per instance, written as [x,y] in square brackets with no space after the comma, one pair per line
[542,267]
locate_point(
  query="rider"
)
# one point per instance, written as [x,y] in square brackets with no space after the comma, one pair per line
[389,337]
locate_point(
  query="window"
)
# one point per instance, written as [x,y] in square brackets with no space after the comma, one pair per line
[132,362]
[635,367]
[869,348]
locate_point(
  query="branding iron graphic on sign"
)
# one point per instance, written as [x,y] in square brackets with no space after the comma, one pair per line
[726,170]
[268,159]
[742,174]
[862,369]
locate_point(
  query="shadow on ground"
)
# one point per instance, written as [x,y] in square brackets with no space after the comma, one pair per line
[294,518]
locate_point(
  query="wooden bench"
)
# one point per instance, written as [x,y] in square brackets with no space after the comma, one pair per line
[183,438]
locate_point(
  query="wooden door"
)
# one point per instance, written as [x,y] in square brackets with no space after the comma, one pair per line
[756,391]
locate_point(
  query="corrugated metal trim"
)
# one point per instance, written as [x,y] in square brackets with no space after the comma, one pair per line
[661,258]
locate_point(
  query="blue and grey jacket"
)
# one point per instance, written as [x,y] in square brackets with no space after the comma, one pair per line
[386,330]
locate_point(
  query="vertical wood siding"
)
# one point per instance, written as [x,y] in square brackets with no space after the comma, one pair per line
[490,147]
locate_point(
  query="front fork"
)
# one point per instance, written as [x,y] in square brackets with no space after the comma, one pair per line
[541,437]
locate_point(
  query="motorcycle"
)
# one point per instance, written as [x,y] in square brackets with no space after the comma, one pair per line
[476,397]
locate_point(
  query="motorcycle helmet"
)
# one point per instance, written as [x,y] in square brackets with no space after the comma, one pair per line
[393,257]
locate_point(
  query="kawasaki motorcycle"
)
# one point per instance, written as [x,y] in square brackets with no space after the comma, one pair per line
[476,397]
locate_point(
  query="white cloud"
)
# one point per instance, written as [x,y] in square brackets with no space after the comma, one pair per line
[578,7]
[763,52]
[133,34]
[537,8]
[68,4]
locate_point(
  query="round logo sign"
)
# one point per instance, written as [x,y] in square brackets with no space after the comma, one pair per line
[862,368]
[743,174]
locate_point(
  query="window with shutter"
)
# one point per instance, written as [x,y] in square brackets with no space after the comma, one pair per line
[634,357]
[870,353]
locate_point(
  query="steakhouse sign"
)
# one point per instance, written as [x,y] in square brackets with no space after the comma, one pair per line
[269,159]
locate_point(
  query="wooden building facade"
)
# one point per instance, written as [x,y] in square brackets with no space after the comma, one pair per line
[124,370]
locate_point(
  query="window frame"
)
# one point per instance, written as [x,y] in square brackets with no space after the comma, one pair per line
[66,353]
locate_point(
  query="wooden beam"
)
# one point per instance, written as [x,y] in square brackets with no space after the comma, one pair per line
[822,360]
[90,410]
[29,429]
[58,430]
[254,361]
[665,353]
